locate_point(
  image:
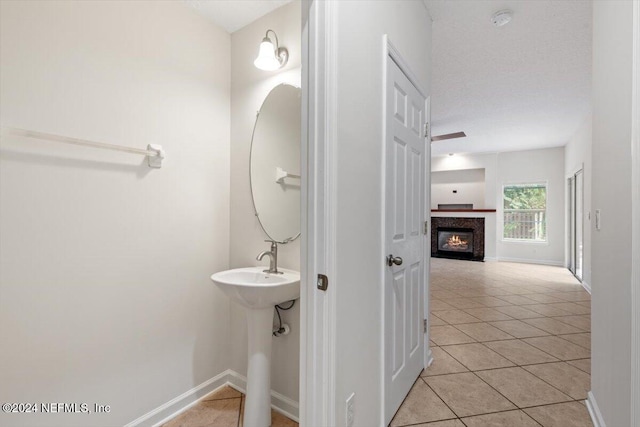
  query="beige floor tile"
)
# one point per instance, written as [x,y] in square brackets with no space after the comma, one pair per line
[447,423]
[518,312]
[519,352]
[547,310]
[583,340]
[436,305]
[572,296]
[518,299]
[580,321]
[584,303]
[559,348]
[443,363]
[487,314]
[223,413]
[574,308]
[421,405]
[467,395]
[464,303]
[572,414]
[279,420]
[543,298]
[483,332]
[519,329]
[552,326]
[444,294]
[224,392]
[477,356]
[521,387]
[582,364]
[489,301]
[436,321]
[447,335]
[502,419]
[454,317]
[566,378]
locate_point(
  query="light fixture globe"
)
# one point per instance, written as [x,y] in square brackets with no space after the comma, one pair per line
[270,57]
[266,59]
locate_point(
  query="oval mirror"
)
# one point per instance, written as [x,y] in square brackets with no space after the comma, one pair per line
[275,164]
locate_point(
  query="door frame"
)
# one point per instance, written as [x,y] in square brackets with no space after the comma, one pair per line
[318,201]
[635,216]
[390,52]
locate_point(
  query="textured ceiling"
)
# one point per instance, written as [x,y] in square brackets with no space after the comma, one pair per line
[523,86]
[234,14]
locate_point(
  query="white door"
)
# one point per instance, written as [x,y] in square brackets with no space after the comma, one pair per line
[404,237]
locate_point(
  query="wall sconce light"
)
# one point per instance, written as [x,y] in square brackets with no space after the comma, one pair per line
[270,57]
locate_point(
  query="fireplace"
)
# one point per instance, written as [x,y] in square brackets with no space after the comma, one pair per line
[458,238]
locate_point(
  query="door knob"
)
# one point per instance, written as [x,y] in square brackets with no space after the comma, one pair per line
[394,260]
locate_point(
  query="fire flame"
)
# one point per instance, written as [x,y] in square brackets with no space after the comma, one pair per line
[457,243]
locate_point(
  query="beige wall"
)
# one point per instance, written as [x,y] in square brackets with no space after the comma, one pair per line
[611,255]
[249,87]
[105,294]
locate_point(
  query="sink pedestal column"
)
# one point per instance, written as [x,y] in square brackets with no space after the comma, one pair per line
[257,406]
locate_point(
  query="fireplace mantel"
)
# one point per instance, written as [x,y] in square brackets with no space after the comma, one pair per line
[463,210]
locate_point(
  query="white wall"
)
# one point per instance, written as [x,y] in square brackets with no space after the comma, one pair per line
[358,284]
[611,255]
[105,263]
[249,87]
[546,165]
[458,186]
[577,155]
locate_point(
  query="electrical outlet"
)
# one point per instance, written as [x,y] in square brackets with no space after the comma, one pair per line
[351,408]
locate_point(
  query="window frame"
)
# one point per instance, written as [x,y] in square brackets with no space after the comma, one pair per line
[546,211]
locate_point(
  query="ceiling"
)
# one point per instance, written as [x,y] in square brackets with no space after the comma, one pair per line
[522,86]
[234,14]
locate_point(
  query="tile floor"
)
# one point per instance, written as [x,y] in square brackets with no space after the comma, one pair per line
[511,347]
[222,408]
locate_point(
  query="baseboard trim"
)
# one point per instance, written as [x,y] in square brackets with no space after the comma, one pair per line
[594,411]
[586,286]
[186,400]
[532,261]
[490,259]
[429,358]
[181,403]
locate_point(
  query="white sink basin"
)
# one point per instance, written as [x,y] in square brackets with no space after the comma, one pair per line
[253,288]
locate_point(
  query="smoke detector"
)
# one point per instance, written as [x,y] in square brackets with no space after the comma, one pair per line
[501,17]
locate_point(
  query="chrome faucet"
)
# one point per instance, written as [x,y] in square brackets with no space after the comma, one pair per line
[273,258]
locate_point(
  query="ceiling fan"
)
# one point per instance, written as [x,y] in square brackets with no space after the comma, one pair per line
[448,136]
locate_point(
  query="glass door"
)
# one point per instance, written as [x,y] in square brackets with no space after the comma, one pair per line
[576,223]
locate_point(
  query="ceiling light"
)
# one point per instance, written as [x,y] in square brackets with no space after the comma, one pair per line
[270,57]
[501,17]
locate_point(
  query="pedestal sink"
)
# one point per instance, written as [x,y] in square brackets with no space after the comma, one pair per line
[258,292]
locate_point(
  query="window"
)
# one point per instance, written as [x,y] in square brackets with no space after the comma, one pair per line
[525,212]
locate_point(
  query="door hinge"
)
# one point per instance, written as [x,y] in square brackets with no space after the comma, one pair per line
[424,326]
[323,282]
[426,227]
[426,129]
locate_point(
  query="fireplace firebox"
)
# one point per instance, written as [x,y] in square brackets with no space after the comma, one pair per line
[458,238]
